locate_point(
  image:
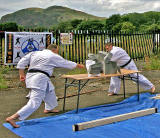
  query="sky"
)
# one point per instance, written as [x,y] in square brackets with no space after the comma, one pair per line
[101,8]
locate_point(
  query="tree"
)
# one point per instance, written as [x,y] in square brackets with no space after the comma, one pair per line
[75,23]
[21,28]
[90,25]
[112,21]
[152,16]
[136,19]
[1,25]
[127,27]
[143,28]
[117,28]
[153,27]
[64,26]
[41,29]
[9,26]
[124,18]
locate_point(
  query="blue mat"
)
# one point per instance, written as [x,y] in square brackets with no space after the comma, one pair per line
[60,126]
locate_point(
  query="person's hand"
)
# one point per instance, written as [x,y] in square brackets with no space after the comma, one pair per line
[80,66]
[22,75]
[22,78]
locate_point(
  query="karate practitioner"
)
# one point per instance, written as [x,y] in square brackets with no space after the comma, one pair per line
[124,61]
[41,66]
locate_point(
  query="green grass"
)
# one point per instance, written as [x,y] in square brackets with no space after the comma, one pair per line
[77,71]
[3,82]
[153,63]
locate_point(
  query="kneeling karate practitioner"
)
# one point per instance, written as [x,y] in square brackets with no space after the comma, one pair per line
[123,60]
[41,65]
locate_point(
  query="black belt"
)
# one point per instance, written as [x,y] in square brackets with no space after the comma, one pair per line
[126,63]
[36,70]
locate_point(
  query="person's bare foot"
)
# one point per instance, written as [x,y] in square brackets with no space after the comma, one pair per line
[11,121]
[153,89]
[57,98]
[112,94]
[51,111]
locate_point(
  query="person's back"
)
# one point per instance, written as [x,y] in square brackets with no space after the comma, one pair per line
[43,60]
[119,55]
[40,58]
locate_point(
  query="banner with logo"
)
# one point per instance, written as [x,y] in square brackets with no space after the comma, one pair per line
[66,38]
[18,44]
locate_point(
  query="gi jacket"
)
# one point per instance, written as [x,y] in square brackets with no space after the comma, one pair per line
[46,61]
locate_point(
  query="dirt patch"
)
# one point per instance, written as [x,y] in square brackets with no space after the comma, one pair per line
[95,93]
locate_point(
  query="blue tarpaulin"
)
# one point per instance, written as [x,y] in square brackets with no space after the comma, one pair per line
[60,126]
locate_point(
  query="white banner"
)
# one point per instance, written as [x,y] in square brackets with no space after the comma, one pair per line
[18,44]
[66,38]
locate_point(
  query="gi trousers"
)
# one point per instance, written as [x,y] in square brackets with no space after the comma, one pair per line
[115,82]
[36,98]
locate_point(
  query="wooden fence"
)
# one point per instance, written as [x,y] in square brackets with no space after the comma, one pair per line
[137,45]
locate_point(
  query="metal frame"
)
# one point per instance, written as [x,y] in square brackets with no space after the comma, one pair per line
[80,85]
[128,77]
[74,84]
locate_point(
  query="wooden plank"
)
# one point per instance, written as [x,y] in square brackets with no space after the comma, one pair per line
[112,119]
[155,97]
[85,76]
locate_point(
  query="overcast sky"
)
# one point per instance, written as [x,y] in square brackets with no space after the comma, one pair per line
[102,8]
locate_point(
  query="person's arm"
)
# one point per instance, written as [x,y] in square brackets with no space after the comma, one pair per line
[24,61]
[22,75]
[58,61]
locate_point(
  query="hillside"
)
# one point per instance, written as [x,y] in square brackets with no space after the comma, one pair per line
[150,17]
[45,17]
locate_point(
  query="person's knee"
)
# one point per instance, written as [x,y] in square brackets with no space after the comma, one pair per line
[35,103]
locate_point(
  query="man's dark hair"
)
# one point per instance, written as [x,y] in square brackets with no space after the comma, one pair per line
[109,43]
[52,46]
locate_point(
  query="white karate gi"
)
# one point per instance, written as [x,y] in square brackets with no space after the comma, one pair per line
[39,83]
[121,58]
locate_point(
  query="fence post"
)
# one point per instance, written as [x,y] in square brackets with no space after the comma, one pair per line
[57,35]
[154,43]
[1,47]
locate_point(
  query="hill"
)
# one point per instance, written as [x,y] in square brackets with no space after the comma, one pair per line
[146,18]
[53,15]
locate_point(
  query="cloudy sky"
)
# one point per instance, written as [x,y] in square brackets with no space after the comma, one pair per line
[102,8]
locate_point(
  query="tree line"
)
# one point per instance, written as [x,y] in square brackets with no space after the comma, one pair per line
[133,22]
